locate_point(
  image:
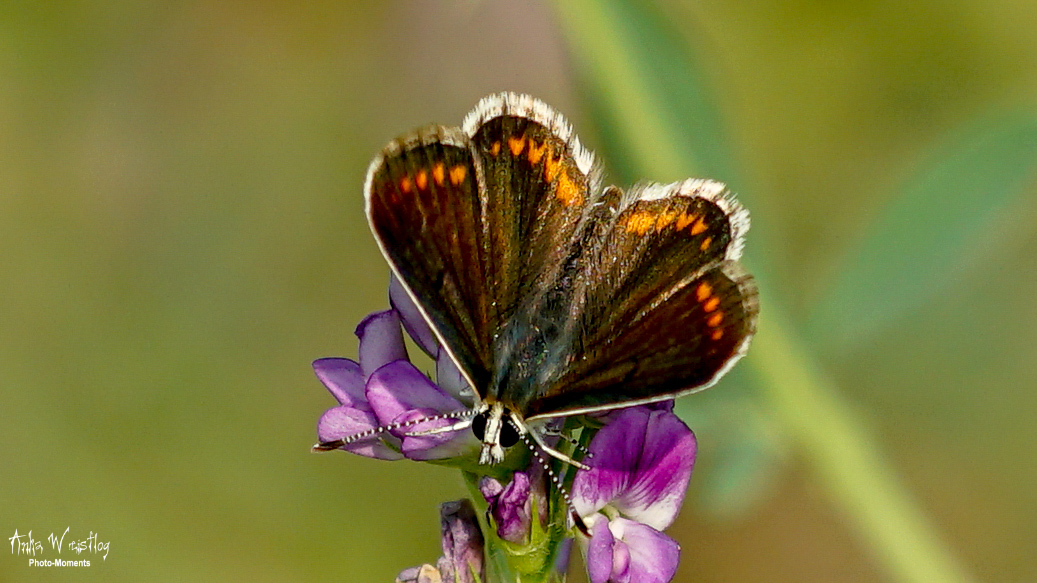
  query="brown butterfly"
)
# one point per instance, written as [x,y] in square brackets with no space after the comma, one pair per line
[553,295]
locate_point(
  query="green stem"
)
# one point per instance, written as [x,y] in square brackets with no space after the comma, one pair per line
[806,402]
[846,458]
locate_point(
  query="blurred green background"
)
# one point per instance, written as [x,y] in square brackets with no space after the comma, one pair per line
[181,234]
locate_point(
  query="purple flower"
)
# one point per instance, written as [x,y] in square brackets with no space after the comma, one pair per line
[510,506]
[463,544]
[386,389]
[641,466]
[424,574]
[354,414]
[641,461]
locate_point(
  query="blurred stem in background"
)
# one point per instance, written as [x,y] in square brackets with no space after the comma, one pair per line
[664,126]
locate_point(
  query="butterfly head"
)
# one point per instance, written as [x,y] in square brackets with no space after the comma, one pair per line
[497,428]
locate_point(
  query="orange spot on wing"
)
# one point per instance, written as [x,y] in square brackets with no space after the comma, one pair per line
[711,304]
[698,227]
[495,148]
[517,144]
[703,291]
[551,166]
[706,243]
[457,174]
[422,179]
[439,173]
[715,320]
[665,219]
[567,191]
[684,220]
[717,334]
[640,222]
[406,185]
[535,153]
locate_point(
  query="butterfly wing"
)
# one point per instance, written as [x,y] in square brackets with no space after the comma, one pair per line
[423,204]
[539,184]
[663,308]
[469,218]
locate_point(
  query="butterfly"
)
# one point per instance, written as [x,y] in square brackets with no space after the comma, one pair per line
[553,295]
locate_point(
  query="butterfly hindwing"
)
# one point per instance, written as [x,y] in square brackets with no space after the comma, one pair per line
[664,309]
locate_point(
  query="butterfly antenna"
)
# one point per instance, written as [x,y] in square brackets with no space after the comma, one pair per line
[555,453]
[375,431]
[571,440]
[555,478]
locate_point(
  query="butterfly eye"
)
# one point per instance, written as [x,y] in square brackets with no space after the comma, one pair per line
[479,425]
[508,435]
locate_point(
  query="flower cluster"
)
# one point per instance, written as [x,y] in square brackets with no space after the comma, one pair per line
[640,467]
[640,463]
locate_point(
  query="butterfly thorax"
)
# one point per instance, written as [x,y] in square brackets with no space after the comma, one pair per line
[530,351]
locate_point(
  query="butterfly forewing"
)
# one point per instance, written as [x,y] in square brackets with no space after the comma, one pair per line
[660,238]
[424,207]
[536,194]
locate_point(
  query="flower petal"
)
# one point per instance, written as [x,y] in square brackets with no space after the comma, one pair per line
[563,555]
[614,453]
[399,393]
[491,488]
[422,574]
[450,379]
[647,555]
[399,387]
[343,421]
[462,543]
[413,321]
[641,465]
[599,551]
[510,506]
[655,494]
[434,446]
[343,378]
[381,341]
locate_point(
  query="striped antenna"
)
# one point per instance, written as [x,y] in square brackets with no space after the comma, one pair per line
[571,440]
[555,478]
[464,415]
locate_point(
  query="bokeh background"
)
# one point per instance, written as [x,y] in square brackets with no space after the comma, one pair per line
[181,234]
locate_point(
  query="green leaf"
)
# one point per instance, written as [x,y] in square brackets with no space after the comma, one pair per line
[948,216]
